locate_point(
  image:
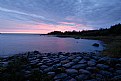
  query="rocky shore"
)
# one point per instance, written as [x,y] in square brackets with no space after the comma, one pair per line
[35,66]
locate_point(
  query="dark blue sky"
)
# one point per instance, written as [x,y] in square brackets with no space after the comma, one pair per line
[42,16]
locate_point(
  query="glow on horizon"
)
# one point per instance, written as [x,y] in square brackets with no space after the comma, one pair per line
[42,28]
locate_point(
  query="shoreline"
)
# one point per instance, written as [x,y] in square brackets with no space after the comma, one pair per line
[112,43]
[35,66]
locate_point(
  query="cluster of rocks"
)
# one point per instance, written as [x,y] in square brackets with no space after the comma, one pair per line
[70,66]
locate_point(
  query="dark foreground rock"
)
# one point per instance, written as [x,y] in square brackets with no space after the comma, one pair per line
[35,66]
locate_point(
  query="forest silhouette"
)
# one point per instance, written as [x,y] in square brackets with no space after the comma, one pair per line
[114,30]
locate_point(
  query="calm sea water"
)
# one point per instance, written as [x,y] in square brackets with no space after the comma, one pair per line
[13,44]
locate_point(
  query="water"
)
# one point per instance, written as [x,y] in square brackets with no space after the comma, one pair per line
[13,44]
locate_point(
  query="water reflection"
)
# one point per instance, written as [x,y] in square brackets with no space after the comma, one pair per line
[12,44]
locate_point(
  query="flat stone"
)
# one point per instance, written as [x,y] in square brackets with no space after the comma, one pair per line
[82,61]
[118,66]
[43,67]
[91,63]
[83,71]
[51,73]
[106,73]
[69,79]
[79,66]
[79,57]
[102,66]
[64,61]
[116,78]
[103,60]
[118,72]
[68,64]
[61,76]
[75,60]
[71,71]
[82,77]
[48,69]
[4,64]
[91,69]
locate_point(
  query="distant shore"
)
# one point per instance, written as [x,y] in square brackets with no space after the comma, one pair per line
[113,43]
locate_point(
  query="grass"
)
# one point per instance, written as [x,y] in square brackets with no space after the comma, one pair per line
[113,44]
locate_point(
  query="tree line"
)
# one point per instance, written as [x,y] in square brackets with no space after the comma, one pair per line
[112,31]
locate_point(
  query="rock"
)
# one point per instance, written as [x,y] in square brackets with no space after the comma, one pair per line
[4,64]
[60,76]
[71,71]
[92,80]
[68,64]
[69,79]
[82,77]
[116,78]
[43,67]
[75,60]
[79,66]
[60,70]
[102,66]
[79,57]
[48,69]
[82,71]
[86,58]
[91,69]
[91,63]
[96,45]
[51,73]
[118,66]
[118,72]
[103,60]
[82,61]
[71,57]
[64,61]
[96,57]
[105,73]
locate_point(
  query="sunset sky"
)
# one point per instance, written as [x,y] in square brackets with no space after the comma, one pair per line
[43,16]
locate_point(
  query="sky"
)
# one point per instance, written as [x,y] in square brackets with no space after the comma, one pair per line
[43,16]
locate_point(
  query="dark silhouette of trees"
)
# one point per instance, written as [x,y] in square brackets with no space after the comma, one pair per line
[112,31]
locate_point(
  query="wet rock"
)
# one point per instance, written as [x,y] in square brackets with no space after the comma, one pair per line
[96,45]
[102,66]
[71,71]
[64,61]
[79,66]
[51,73]
[48,69]
[71,57]
[75,60]
[83,71]
[82,77]
[116,78]
[68,64]
[118,66]
[69,79]
[91,69]
[103,60]
[4,64]
[118,72]
[105,73]
[43,67]
[79,57]
[60,76]
[91,63]
[82,61]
